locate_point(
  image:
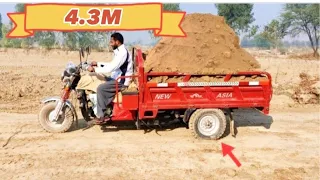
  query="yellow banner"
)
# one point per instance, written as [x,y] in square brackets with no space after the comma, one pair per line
[89,17]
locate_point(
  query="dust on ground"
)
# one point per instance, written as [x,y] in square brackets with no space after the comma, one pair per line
[280,146]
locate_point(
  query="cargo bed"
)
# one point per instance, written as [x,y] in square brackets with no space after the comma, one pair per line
[153,97]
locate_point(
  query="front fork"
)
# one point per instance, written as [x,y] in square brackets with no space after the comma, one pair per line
[61,103]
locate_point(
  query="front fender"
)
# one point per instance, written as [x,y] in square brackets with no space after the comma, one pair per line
[49,99]
[57,98]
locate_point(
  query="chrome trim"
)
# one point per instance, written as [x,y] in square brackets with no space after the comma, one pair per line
[57,98]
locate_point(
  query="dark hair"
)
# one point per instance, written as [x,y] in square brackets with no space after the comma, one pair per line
[117,36]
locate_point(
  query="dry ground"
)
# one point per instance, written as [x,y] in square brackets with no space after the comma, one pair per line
[284,145]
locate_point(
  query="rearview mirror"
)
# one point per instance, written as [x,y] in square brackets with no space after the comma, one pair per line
[81,52]
[88,50]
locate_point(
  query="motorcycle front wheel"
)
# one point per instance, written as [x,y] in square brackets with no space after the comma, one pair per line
[63,123]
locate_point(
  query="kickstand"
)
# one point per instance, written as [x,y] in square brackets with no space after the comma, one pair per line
[138,124]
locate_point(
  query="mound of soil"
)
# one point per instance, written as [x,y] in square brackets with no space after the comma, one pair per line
[308,91]
[211,46]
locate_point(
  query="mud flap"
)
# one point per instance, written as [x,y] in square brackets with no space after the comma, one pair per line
[187,115]
[231,123]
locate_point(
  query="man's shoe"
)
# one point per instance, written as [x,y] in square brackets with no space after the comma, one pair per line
[103,120]
[108,121]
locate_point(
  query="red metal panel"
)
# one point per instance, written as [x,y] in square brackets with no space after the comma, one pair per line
[169,96]
[130,102]
[120,114]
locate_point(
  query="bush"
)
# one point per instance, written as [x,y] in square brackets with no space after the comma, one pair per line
[26,43]
[261,42]
[283,50]
[16,43]
[45,39]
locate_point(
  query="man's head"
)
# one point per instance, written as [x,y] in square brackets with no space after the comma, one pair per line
[116,40]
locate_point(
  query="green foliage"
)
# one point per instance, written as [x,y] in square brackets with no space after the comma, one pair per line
[89,39]
[171,7]
[97,40]
[261,42]
[19,7]
[274,32]
[70,40]
[45,39]
[247,42]
[1,35]
[16,43]
[237,16]
[253,31]
[27,43]
[9,43]
[303,18]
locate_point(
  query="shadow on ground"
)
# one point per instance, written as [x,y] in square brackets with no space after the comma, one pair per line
[242,118]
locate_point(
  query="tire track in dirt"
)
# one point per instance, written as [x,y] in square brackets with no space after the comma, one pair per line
[96,153]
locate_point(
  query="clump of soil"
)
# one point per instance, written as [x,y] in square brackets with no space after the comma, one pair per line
[308,91]
[211,47]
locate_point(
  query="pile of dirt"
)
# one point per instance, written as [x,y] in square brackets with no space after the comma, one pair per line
[308,91]
[211,47]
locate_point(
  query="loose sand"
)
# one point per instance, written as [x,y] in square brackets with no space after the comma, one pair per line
[211,47]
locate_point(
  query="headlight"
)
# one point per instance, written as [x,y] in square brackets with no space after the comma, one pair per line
[85,65]
[71,68]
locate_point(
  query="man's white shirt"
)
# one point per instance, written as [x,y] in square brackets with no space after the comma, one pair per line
[113,67]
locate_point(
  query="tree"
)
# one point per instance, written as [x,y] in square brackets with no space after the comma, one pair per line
[9,43]
[97,40]
[274,32]
[0,26]
[171,7]
[19,7]
[168,7]
[247,42]
[253,31]
[237,16]
[5,42]
[303,18]
[70,40]
[45,39]
[261,42]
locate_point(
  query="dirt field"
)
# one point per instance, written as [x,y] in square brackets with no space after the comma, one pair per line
[284,145]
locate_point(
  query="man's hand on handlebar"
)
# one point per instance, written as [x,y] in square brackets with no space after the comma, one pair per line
[94,63]
[90,69]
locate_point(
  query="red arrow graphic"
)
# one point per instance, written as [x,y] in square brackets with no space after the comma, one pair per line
[226,149]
